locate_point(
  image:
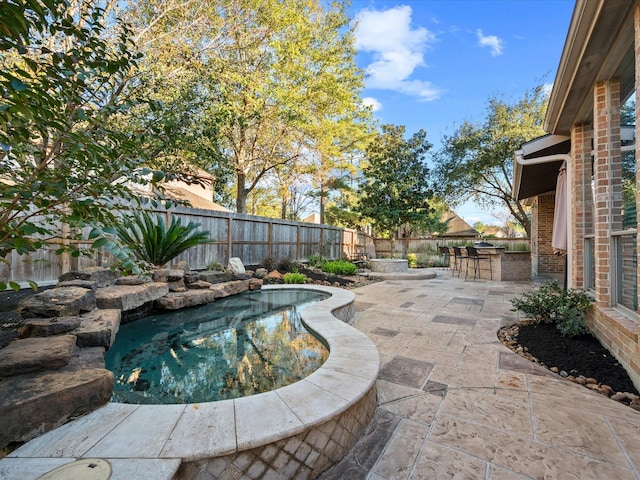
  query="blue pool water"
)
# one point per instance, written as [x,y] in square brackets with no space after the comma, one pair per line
[238,346]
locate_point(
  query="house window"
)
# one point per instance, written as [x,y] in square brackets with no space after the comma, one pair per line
[589,263]
[625,241]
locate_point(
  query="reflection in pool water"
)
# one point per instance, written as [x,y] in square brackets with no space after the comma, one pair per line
[234,347]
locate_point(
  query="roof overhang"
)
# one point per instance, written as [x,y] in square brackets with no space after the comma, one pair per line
[536,165]
[599,46]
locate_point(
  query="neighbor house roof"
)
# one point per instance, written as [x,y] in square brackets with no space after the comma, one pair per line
[457,226]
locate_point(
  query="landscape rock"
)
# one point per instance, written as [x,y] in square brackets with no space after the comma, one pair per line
[261,273]
[199,285]
[36,355]
[103,277]
[129,297]
[98,328]
[49,400]
[191,277]
[214,276]
[7,335]
[182,265]
[177,286]
[57,302]
[88,284]
[230,288]
[235,265]
[275,275]
[190,298]
[167,275]
[255,284]
[46,327]
[131,280]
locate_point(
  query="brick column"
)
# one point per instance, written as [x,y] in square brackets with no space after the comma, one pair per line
[608,182]
[582,199]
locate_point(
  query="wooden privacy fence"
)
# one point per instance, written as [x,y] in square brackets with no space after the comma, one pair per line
[249,237]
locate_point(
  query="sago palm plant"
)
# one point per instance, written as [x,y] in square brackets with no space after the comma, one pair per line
[149,239]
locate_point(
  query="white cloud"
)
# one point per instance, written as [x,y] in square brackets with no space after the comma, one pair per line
[373,103]
[397,48]
[491,41]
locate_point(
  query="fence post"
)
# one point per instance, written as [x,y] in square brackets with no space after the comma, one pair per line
[229,238]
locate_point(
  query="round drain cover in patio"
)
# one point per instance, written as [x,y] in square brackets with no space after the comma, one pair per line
[84,469]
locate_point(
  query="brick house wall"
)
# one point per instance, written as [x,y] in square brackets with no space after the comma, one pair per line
[543,261]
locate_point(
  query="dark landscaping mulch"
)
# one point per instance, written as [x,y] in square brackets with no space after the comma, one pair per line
[581,355]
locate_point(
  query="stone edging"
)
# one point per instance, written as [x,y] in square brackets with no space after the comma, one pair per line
[342,388]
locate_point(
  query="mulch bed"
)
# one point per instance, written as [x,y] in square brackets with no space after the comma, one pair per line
[578,358]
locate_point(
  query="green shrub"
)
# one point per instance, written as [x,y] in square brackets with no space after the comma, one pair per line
[294,277]
[551,304]
[147,238]
[412,260]
[316,260]
[339,267]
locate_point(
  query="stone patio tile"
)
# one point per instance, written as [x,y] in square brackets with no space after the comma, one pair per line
[203,430]
[457,377]
[145,432]
[403,448]
[521,455]
[442,463]
[496,473]
[74,439]
[512,361]
[406,371]
[484,407]
[511,380]
[390,392]
[628,433]
[575,430]
[420,407]
[454,320]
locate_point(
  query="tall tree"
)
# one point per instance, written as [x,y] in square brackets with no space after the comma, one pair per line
[64,88]
[395,189]
[476,162]
[286,70]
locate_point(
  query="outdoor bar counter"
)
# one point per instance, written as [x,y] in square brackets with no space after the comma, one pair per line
[506,266]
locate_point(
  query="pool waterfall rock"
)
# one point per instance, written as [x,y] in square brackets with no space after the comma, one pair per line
[87,307]
[297,431]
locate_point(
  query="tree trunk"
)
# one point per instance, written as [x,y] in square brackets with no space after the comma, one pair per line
[241,194]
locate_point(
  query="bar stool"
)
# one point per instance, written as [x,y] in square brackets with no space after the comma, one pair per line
[474,255]
[459,256]
[445,257]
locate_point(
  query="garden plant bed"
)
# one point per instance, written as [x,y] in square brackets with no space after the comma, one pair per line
[581,359]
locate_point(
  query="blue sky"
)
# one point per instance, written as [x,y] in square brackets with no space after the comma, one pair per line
[432,64]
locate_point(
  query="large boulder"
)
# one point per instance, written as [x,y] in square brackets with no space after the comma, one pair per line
[129,297]
[102,277]
[167,275]
[36,403]
[190,298]
[57,302]
[236,266]
[36,355]
[98,328]
[215,276]
[47,327]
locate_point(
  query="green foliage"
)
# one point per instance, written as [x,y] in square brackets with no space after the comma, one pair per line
[476,162]
[148,239]
[394,190]
[339,267]
[65,85]
[316,260]
[294,277]
[412,259]
[549,303]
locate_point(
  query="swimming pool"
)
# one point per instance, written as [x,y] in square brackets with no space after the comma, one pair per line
[238,346]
